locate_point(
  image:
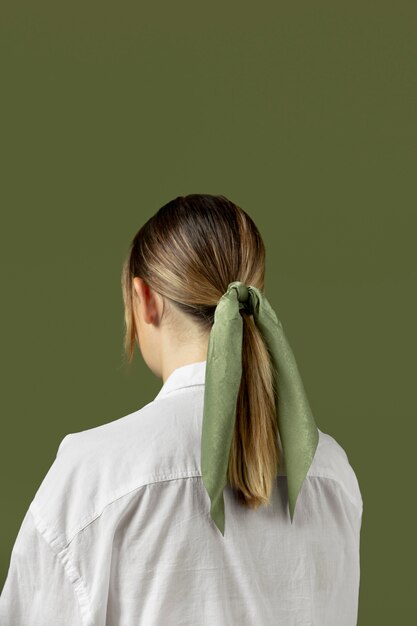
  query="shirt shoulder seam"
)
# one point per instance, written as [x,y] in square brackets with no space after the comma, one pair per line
[357,503]
[74,578]
[162,478]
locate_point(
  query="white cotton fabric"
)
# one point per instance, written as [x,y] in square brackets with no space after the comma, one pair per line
[119,533]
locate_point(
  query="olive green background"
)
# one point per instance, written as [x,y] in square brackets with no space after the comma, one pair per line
[302,113]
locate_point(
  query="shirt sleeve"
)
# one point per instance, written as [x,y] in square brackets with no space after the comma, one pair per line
[37,588]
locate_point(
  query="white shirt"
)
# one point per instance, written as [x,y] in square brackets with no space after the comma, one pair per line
[119,533]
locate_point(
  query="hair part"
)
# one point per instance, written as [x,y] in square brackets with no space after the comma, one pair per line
[188,252]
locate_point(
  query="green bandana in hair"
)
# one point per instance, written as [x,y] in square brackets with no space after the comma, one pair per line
[297,428]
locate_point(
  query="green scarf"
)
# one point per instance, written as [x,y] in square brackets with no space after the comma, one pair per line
[297,428]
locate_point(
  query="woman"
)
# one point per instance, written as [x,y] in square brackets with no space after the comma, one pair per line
[183,511]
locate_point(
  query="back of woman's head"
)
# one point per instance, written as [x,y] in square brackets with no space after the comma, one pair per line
[189,252]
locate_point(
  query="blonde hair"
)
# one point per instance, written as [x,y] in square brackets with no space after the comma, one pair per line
[188,252]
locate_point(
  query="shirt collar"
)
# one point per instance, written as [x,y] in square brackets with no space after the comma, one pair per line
[184,376]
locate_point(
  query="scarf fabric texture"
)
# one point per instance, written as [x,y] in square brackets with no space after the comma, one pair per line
[296,425]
